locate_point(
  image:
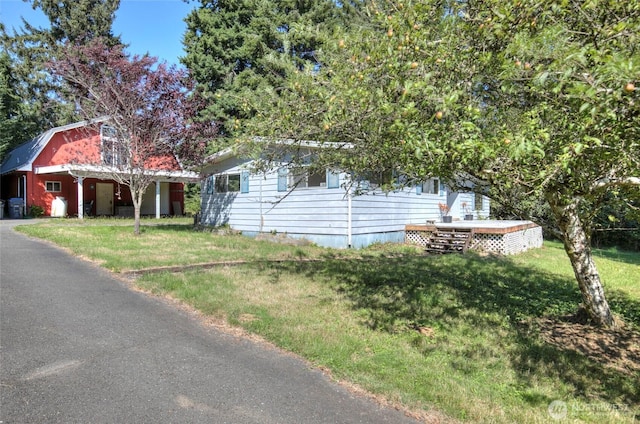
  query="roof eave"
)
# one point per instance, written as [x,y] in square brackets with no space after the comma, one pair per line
[100,171]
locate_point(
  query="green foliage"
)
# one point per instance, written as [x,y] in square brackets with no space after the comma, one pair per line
[488,88]
[76,21]
[527,101]
[17,124]
[618,222]
[191,198]
[36,211]
[25,76]
[378,90]
[237,50]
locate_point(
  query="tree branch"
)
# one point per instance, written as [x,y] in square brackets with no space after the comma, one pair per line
[613,182]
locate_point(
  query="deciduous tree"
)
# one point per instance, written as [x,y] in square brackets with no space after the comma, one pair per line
[529,100]
[152,109]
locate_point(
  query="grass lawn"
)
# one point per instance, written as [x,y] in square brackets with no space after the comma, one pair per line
[468,338]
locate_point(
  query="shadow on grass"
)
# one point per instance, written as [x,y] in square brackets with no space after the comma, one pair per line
[394,294]
[178,228]
[614,254]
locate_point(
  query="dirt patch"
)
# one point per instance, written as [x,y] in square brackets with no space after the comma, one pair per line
[283,239]
[618,349]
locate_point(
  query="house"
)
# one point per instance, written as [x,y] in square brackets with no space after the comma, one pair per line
[72,165]
[322,208]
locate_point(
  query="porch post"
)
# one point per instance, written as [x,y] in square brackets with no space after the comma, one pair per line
[80,198]
[157,199]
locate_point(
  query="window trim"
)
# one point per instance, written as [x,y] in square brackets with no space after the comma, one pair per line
[301,180]
[53,184]
[112,151]
[333,179]
[282,179]
[244,181]
[478,202]
[221,183]
[209,184]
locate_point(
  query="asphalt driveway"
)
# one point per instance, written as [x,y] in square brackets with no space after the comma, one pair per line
[78,346]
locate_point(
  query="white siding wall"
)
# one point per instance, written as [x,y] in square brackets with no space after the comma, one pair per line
[379,212]
[457,211]
[319,214]
[303,211]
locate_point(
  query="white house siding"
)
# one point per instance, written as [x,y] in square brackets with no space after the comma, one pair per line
[380,217]
[456,199]
[216,207]
[319,214]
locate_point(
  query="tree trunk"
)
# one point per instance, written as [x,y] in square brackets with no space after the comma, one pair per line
[578,248]
[137,203]
[136,219]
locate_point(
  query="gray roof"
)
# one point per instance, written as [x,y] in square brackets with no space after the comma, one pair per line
[21,158]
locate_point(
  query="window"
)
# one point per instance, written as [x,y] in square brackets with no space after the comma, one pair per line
[114,151]
[304,179]
[233,182]
[53,186]
[431,186]
[376,179]
[226,183]
[301,178]
[373,180]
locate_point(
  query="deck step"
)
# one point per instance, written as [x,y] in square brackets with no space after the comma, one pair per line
[449,240]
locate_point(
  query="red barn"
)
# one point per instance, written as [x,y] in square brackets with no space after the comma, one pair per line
[69,166]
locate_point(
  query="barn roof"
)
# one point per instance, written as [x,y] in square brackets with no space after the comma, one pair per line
[21,158]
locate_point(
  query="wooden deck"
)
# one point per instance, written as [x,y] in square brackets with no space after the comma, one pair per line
[478,226]
[504,237]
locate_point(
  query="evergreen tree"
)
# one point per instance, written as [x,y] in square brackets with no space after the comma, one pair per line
[239,49]
[76,21]
[28,51]
[16,125]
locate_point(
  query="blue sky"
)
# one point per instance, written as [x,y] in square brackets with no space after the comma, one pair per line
[148,26]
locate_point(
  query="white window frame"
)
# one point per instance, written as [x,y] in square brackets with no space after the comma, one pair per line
[53,186]
[221,183]
[111,148]
[301,180]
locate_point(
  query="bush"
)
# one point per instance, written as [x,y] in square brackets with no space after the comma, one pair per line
[36,211]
